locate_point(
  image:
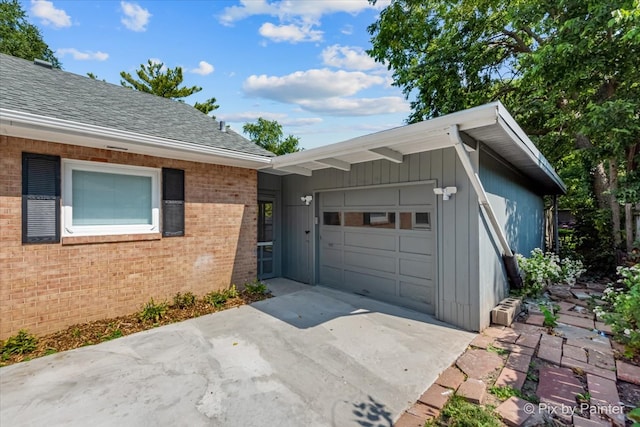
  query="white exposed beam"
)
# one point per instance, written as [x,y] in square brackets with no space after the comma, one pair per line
[336,163]
[298,170]
[389,154]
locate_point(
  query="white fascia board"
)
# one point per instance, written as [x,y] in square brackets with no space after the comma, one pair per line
[483,115]
[16,123]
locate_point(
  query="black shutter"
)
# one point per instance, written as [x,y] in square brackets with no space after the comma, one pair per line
[172,202]
[40,198]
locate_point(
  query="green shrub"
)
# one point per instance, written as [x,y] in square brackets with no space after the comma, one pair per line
[185,300]
[232,292]
[21,343]
[460,413]
[550,318]
[542,269]
[153,311]
[256,288]
[622,311]
[216,298]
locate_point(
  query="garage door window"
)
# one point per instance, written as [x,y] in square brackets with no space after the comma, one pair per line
[331,218]
[370,219]
[415,221]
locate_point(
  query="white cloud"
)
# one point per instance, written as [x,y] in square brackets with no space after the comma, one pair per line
[309,11]
[347,30]
[349,57]
[357,106]
[310,84]
[136,17]
[83,56]
[47,12]
[204,68]
[290,33]
[283,119]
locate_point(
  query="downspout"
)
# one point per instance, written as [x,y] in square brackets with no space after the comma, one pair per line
[454,135]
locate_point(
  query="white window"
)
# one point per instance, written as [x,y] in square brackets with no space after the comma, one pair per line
[103,198]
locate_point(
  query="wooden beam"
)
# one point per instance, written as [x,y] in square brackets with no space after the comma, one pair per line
[335,163]
[389,154]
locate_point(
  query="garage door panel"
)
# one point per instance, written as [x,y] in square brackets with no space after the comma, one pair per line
[415,268]
[385,242]
[369,284]
[331,237]
[332,257]
[371,197]
[376,262]
[420,243]
[331,276]
[421,293]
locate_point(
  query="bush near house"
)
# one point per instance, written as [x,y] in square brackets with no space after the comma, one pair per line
[25,346]
[622,311]
[542,269]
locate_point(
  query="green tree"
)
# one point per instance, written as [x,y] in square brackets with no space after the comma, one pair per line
[268,135]
[567,70]
[154,78]
[20,38]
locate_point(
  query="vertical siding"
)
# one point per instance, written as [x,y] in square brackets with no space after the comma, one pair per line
[520,211]
[457,292]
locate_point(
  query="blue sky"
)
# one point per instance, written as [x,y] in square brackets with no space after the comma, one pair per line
[300,62]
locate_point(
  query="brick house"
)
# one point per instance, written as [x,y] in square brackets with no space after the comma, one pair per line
[155,198]
[110,196]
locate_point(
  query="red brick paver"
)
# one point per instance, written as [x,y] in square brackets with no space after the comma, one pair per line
[584,422]
[511,378]
[602,360]
[513,348]
[604,396]
[604,328]
[423,411]
[580,322]
[482,341]
[513,411]
[451,378]
[473,390]
[535,319]
[587,368]
[519,362]
[550,349]
[628,373]
[558,386]
[529,340]
[409,420]
[436,396]
[575,353]
[479,363]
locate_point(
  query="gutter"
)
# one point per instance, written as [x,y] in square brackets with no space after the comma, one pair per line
[31,121]
[483,200]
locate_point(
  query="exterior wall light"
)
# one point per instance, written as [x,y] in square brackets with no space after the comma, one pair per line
[307,199]
[446,192]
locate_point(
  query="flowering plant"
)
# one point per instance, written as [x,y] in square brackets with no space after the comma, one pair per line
[542,269]
[622,309]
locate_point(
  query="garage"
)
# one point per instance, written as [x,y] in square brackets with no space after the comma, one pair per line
[380,242]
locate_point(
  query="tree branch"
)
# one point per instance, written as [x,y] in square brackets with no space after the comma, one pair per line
[521,45]
[533,35]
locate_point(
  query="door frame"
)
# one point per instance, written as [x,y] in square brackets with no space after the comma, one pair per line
[275,242]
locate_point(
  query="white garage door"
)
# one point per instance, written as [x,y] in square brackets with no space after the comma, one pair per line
[380,242]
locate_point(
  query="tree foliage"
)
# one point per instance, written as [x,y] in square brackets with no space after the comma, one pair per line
[158,80]
[568,71]
[20,38]
[268,135]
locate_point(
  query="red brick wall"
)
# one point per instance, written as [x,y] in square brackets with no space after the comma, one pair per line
[46,287]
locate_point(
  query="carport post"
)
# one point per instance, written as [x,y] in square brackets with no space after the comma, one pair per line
[454,135]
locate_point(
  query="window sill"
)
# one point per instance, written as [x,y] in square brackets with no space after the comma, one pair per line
[116,238]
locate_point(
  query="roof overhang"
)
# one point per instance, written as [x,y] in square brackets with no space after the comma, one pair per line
[489,124]
[26,125]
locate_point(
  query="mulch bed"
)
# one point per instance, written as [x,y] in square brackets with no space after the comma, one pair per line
[98,331]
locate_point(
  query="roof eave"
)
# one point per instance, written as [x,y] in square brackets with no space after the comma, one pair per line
[27,125]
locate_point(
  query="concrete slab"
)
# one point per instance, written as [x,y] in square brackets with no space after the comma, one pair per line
[312,357]
[280,286]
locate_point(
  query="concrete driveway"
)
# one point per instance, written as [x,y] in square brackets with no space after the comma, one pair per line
[312,357]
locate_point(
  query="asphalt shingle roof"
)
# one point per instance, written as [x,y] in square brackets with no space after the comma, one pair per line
[31,88]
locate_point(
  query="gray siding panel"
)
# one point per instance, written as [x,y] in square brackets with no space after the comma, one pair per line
[456,267]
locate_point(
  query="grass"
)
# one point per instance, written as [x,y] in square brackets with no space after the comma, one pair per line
[460,413]
[497,350]
[503,393]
